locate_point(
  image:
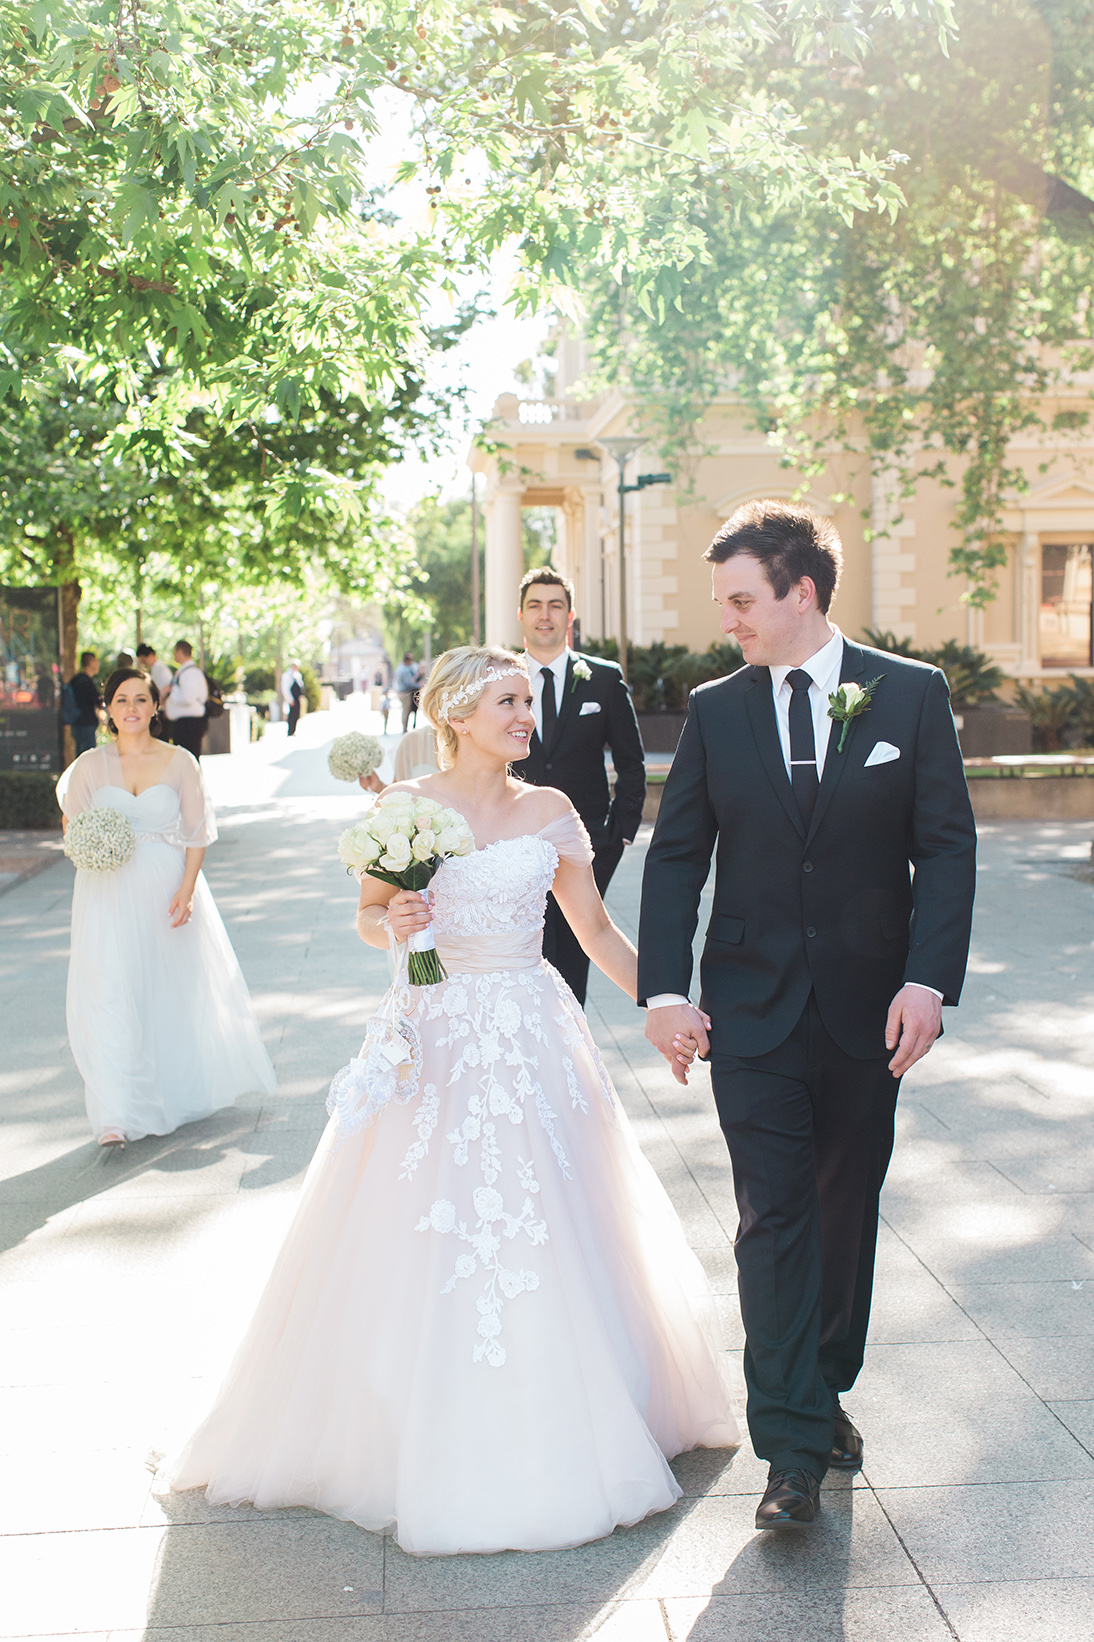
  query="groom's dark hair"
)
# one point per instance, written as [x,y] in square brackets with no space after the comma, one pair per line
[789,542]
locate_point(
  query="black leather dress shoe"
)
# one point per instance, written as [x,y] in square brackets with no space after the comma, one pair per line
[792,1500]
[846,1444]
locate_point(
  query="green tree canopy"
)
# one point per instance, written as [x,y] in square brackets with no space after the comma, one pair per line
[924,340]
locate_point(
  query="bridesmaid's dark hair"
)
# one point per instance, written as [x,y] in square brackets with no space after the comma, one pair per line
[118,677]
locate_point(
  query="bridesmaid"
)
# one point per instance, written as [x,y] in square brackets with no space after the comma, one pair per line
[159,1016]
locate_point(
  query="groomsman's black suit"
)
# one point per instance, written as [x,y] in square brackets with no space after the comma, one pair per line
[594,714]
[813,931]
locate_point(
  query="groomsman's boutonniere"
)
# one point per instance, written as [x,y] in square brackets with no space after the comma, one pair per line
[848,701]
[582,671]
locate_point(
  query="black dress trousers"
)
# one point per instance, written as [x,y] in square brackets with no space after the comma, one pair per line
[810,1134]
[561,946]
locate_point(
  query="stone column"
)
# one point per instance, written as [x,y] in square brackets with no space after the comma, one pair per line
[1029,602]
[503,565]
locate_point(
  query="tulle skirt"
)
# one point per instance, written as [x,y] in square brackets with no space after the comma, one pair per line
[159,1019]
[485,1329]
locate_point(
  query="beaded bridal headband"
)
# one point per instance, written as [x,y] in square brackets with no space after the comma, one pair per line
[449,701]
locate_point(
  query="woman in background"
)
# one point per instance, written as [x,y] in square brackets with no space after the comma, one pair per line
[159,1016]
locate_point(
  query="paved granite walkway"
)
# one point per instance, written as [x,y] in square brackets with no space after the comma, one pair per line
[126,1280]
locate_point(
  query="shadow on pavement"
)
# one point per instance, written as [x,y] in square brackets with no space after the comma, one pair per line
[29,1200]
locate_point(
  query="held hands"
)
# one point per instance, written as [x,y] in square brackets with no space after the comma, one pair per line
[913,1023]
[370,783]
[408,913]
[679,1032]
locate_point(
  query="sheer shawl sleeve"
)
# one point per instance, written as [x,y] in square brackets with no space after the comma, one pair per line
[78,784]
[197,823]
[567,833]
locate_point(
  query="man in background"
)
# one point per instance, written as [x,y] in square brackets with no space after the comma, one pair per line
[184,708]
[582,707]
[157,670]
[85,693]
[292,694]
[406,688]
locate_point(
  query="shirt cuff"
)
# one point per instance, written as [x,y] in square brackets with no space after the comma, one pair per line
[941,996]
[664,999]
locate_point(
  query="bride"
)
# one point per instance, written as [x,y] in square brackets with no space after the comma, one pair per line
[485,1329]
[159,1016]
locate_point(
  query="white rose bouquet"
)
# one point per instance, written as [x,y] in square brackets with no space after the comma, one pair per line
[403,841]
[354,755]
[100,840]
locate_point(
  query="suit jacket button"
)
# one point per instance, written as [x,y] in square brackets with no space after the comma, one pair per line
[810,931]
[548,766]
[807,866]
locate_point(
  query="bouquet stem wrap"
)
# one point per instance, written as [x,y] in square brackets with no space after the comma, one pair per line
[423,964]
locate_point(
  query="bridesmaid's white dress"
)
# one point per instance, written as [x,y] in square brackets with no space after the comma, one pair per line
[160,1020]
[485,1329]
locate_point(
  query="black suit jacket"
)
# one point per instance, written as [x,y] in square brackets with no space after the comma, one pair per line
[833,908]
[596,713]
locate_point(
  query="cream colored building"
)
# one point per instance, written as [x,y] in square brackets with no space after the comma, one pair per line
[1038,627]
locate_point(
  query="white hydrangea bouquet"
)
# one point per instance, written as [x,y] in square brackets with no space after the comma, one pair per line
[354,755]
[100,840]
[403,841]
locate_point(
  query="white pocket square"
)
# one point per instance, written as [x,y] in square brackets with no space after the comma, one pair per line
[884,752]
[588,707]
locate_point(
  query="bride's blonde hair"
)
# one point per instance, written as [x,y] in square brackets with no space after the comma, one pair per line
[455,685]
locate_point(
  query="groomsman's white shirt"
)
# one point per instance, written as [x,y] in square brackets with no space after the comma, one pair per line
[824,669]
[537,681]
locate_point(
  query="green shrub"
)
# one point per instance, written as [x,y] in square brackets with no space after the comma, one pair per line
[257,680]
[1051,713]
[28,800]
[662,676]
[1082,694]
[311,686]
[972,676]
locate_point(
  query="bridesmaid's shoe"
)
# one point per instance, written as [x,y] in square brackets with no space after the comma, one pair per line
[112,1137]
[846,1444]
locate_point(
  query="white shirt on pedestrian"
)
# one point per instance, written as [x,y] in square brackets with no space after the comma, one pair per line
[160,674]
[189,693]
[538,682]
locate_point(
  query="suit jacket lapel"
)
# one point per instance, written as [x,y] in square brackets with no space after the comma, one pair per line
[761,711]
[853,667]
[566,711]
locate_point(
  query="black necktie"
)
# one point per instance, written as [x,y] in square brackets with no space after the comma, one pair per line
[803,747]
[549,710]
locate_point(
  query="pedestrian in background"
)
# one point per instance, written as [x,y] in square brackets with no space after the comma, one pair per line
[406,688]
[85,694]
[157,670]
[292,694]
[184,708]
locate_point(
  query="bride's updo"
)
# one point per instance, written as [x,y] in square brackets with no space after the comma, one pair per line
[455,685]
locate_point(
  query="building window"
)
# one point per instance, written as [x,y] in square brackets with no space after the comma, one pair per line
[1066,627]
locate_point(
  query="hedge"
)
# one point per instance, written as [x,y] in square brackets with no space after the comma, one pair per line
[28,800]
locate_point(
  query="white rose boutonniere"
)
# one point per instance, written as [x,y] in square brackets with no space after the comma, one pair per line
[582,671]
[848,701]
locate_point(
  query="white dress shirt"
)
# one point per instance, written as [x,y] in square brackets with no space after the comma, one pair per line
[160,674]
[824,668]
[189,693]
[537,681]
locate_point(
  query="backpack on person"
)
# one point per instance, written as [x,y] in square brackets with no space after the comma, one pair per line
[214,700]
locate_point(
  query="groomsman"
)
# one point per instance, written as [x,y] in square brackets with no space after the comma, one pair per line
[827,780]
[582,707]
[184,708]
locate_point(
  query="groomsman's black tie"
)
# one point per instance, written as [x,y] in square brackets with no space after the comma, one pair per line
[803,746]
[549,709]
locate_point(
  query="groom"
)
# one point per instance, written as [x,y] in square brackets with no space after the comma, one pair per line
[825,964]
